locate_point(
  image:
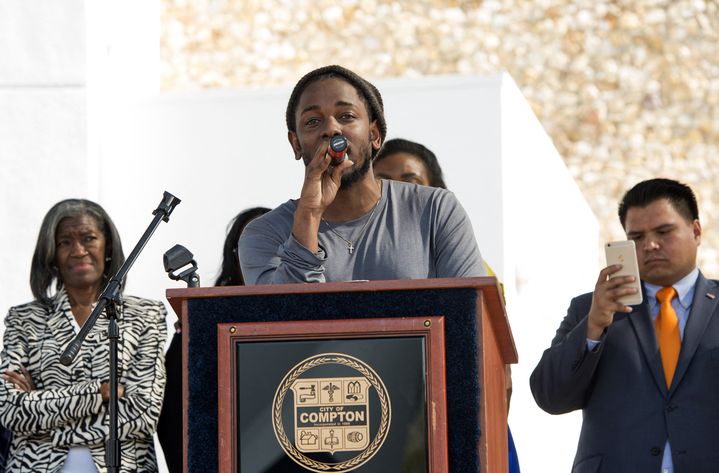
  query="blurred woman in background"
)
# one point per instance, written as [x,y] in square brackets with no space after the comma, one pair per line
[230,273]
[404,160]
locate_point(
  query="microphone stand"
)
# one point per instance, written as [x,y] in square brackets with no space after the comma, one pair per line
[110,299]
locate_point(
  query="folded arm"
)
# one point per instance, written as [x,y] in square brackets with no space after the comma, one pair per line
[38,410]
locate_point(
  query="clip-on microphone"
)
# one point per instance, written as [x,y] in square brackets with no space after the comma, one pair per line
[179,257]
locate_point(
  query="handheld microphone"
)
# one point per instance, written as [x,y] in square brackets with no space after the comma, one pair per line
[338,149]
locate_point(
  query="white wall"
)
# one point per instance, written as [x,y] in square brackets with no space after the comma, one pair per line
[43,129]
[551,254]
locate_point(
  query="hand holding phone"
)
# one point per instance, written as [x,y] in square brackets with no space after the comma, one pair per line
[624,253]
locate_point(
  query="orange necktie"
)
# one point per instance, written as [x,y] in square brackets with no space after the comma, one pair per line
[667,325]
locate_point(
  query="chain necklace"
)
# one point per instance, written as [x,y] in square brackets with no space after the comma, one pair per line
[350,244]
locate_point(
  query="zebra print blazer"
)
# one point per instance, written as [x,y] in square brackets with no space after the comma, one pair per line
[66,408]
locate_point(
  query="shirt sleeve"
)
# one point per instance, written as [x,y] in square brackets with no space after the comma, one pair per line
[266,258]
[456,252]
[563,378]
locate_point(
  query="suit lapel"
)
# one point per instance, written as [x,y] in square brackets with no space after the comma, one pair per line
[641,321]
[703,307]
[57,320]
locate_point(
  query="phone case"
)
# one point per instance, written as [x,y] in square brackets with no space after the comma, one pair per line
[625,253]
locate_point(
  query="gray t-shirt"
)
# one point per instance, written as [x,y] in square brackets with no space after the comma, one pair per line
[415,232]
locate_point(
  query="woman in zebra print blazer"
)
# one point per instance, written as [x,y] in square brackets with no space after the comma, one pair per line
[58,414]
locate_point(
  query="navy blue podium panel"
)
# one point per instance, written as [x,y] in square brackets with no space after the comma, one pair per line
[478,344]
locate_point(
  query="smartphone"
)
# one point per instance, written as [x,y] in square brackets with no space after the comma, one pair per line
[625,253]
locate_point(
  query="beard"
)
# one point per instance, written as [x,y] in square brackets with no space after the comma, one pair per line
[356,173]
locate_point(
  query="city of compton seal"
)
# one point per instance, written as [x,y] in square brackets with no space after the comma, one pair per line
[331,414]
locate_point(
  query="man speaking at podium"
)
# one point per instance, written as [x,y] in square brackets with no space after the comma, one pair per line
[348,225]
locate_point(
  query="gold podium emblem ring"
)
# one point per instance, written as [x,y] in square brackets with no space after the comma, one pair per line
[331,414]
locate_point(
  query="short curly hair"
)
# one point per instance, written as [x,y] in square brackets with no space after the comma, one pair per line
[367,92]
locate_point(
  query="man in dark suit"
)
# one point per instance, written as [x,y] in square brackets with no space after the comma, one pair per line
[647,376]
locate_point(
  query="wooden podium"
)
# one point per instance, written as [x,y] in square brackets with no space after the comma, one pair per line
[477,345]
